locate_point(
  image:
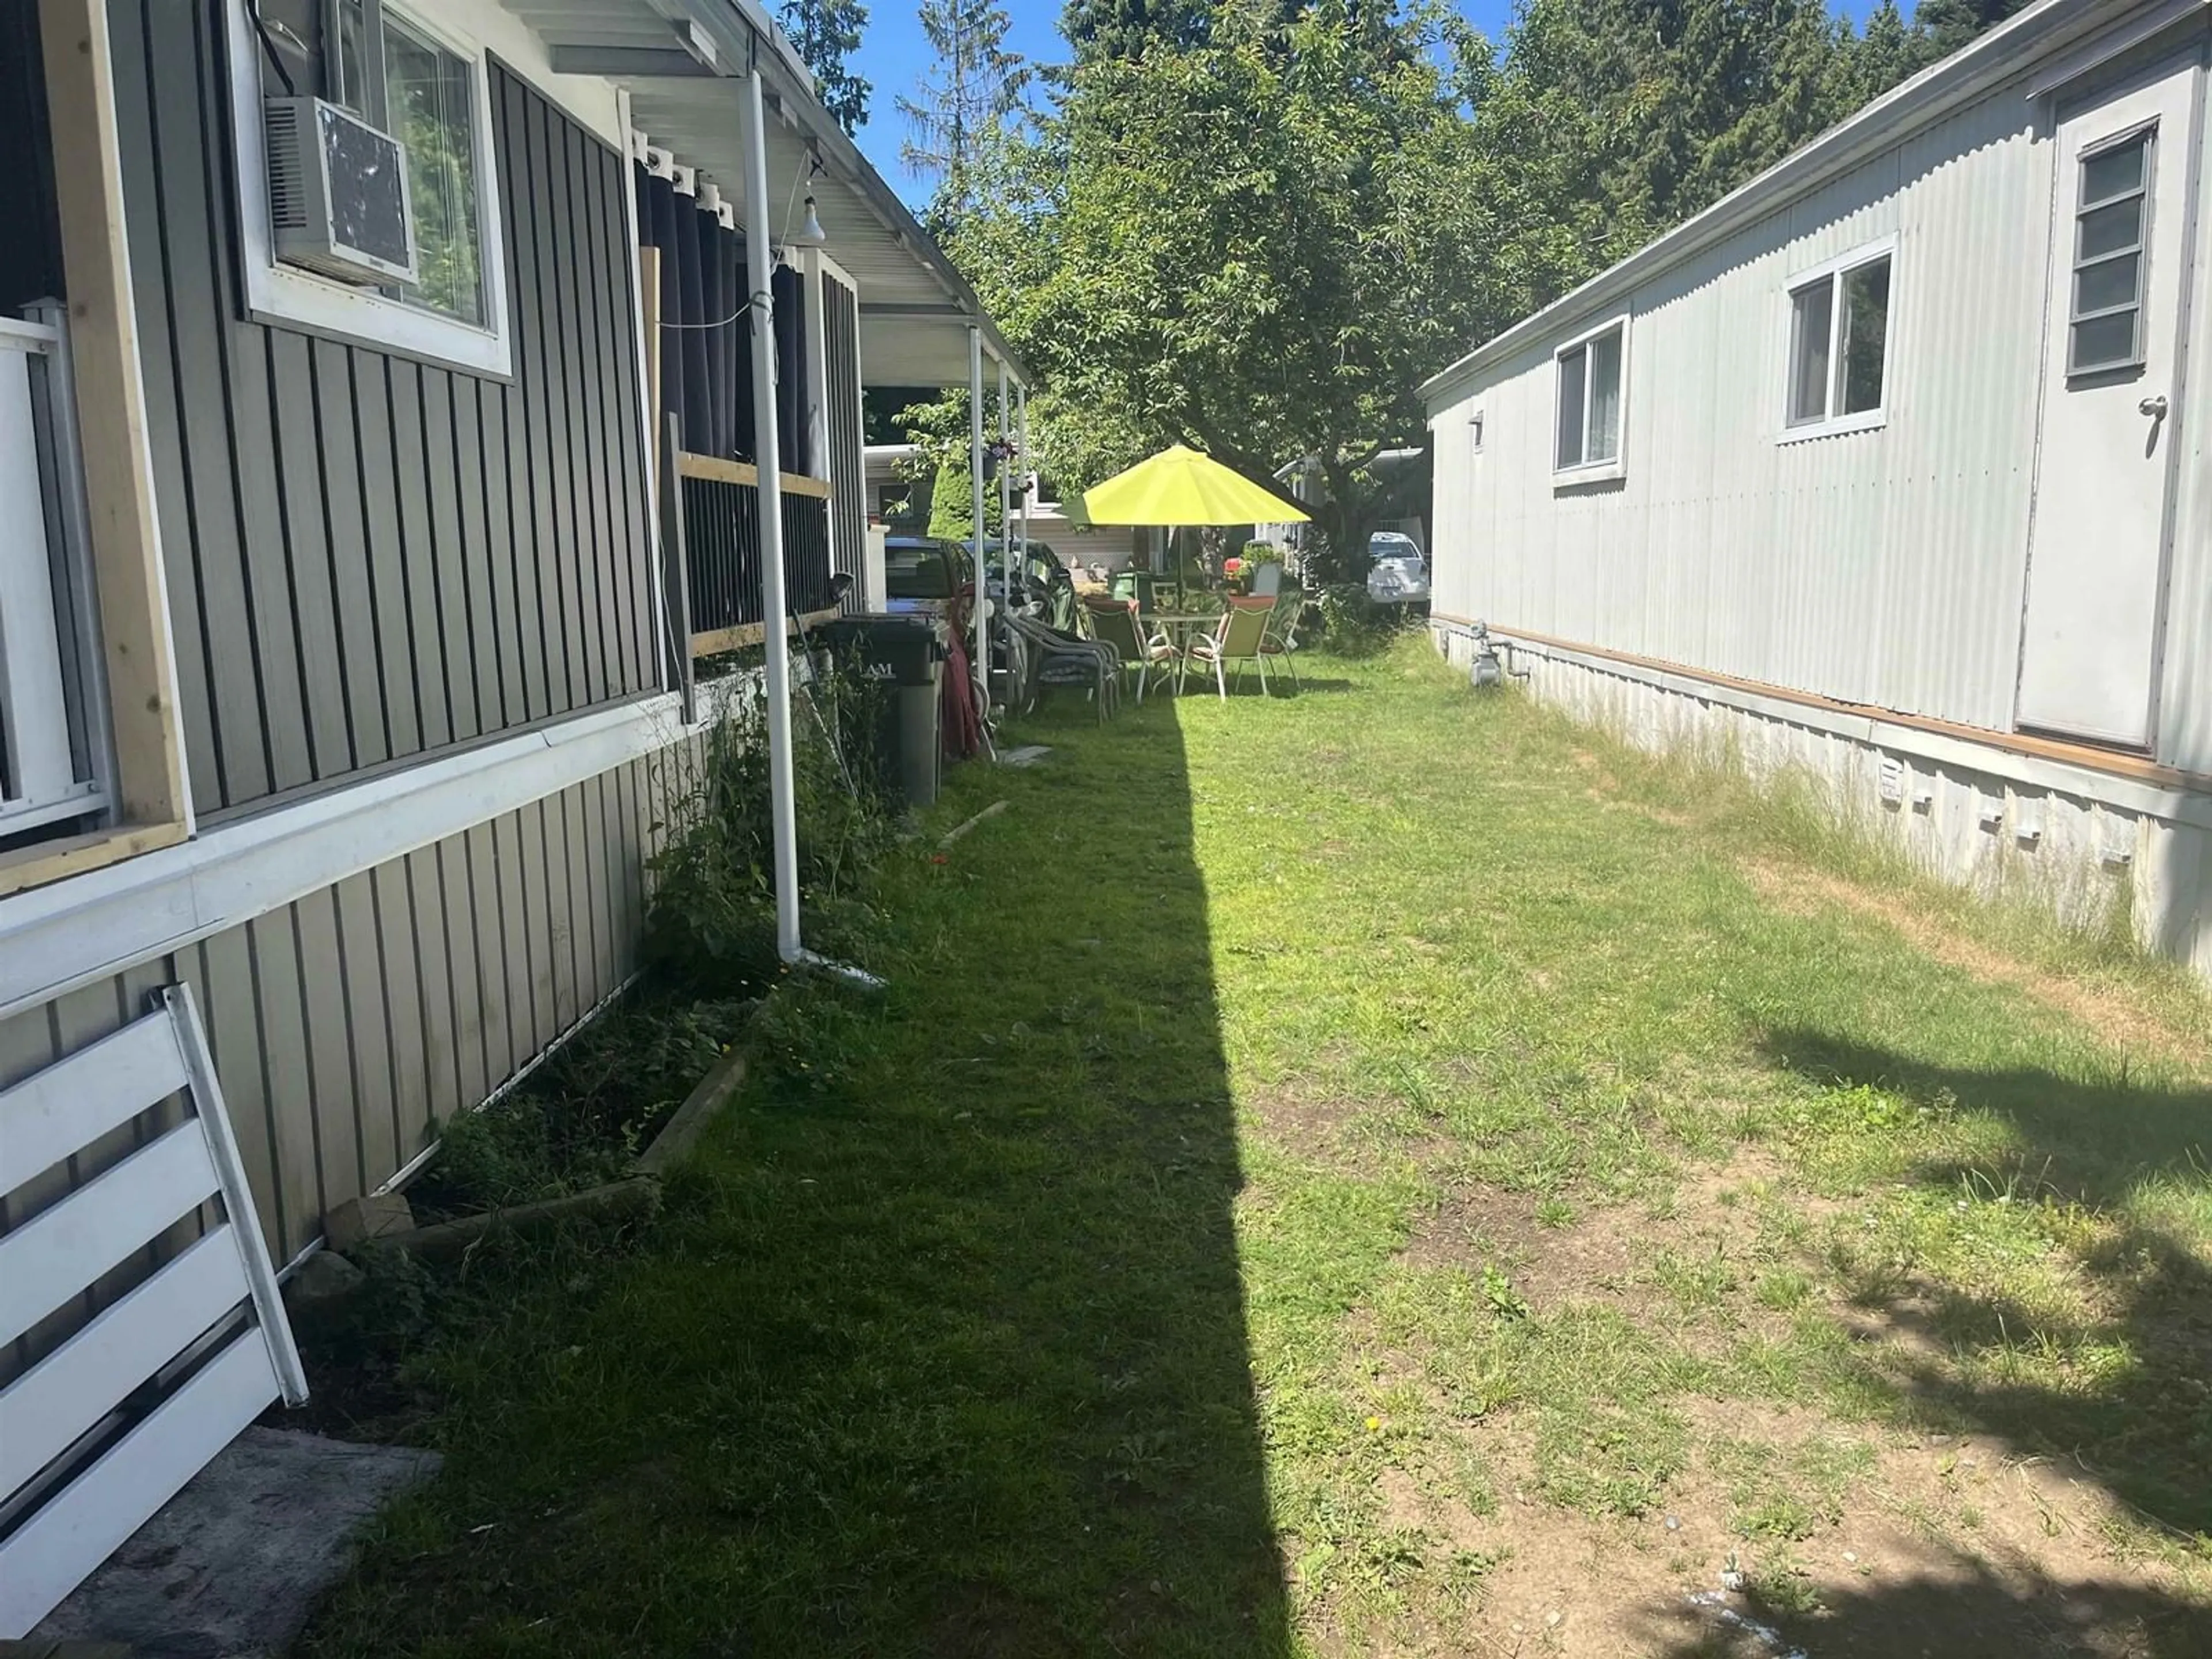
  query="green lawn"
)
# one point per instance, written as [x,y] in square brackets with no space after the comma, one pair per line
[1375,1172]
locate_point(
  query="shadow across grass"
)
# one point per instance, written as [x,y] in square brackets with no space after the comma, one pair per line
[940,1346]
[2094,1141]
[2120,1395]
[1969,1613]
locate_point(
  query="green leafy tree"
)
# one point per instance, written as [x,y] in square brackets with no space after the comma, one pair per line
[827,32]
[963,100]
[1259,246]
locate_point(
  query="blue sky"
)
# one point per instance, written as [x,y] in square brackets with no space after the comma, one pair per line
[893,54]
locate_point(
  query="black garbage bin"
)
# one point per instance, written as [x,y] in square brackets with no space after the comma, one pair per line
[907,654]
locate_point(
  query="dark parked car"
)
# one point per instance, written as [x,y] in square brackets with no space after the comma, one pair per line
[921,573]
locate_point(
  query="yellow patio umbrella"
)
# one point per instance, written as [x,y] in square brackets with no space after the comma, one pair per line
[1180,486]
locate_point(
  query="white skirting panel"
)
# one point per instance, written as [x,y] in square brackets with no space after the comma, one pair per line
[1978,816]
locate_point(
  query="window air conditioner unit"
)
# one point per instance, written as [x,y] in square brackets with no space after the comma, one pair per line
[338,199]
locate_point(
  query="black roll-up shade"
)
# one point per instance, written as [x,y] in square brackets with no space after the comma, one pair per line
[790,369]
[729,342]
[713,306]
[691,339]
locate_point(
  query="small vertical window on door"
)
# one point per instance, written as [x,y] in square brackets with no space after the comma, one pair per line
[2112,245]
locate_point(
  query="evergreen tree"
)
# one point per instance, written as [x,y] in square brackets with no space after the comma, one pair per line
[1944,26]
[826,32]
[1124,28]
[1648,110]
[1887,52]
[963,100]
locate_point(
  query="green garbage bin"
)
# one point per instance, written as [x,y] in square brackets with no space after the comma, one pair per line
[906,654]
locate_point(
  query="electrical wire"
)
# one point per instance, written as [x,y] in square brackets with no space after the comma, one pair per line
[758,302]
[269,50]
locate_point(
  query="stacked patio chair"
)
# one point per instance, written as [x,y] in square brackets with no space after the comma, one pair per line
[1116,625]
[1059,659]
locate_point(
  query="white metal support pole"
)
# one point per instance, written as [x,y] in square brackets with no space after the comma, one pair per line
[1029,473]
[975,478]
[781,805]
[1006,492]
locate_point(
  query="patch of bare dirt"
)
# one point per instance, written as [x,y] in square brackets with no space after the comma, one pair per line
[1901,1543]
[1303,1120]
[2114,1017]
[1475,1225]
[1605,1254]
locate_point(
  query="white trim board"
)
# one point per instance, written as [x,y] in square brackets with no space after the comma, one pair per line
[73,932]
[2029,771]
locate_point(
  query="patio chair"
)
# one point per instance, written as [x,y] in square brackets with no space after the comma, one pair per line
[1278,643]
[1059,660]
[1238,639]
[1116,625]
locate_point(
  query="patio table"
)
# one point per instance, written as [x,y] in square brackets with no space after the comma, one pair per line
[1179,626]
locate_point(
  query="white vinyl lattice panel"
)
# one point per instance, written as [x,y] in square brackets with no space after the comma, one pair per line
[78,1474]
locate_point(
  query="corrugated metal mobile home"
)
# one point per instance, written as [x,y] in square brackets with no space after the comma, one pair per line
[1893,466]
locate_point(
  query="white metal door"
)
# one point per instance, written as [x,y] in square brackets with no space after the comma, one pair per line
[2097,555]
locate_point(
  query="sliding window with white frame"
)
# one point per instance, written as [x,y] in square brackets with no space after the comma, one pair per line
[1591,373]
[1838,352]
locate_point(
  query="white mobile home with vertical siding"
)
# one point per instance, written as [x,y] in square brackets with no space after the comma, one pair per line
[1893,466]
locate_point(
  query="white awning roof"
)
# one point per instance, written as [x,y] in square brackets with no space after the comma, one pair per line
[683,63]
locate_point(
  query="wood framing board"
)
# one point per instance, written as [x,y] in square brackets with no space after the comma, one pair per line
[110,399]
[744,472]
[751,633]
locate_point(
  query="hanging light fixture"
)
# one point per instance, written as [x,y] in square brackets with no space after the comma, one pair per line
[809,232]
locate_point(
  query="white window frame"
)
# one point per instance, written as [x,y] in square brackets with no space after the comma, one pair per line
[35,690]
[1616,466]
[285,294]
[1832,272]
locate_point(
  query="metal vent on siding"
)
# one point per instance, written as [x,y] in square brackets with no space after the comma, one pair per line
[287,188]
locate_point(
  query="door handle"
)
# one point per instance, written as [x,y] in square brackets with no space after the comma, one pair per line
[2154,407]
